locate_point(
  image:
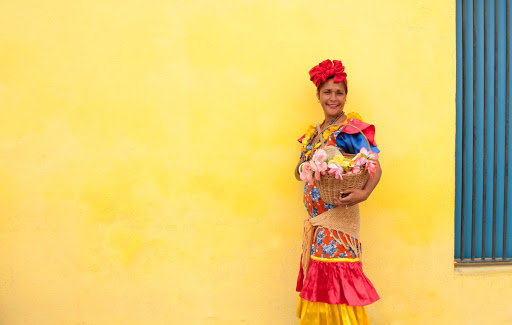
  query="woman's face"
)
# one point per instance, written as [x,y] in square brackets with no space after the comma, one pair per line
[332,97]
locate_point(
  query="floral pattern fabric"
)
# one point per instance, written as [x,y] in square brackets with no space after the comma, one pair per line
[327,243]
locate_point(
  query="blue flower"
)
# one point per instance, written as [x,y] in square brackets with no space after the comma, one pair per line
[312,249]
[351,251]
[314,213]
[329,206]
[342,255]
[315,194]
[329,249]
[320,237]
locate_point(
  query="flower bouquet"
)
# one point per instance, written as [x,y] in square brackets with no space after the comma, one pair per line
[333,171]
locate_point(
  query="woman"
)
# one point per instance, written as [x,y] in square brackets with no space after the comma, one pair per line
[333,288]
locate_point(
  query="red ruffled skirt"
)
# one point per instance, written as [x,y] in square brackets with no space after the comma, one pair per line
[335,289]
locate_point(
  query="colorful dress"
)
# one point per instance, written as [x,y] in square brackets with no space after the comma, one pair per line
[335,289]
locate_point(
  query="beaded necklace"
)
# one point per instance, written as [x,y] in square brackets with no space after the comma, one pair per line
[312,133]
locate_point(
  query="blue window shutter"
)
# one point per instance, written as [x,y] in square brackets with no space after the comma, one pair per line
[483,199]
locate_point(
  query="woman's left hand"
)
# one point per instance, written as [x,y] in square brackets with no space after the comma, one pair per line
[351,196]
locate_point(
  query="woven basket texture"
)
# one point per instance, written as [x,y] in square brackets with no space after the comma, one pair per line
[330,187]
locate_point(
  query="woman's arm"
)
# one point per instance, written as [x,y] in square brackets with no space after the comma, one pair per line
[354,196]
[303,158]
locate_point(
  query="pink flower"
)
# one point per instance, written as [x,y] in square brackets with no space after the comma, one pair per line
[337,171]
[369,154]
[306,174]
[373,156]
[313,166]
[322,167]
[356,169]
[318,161]
[332,166]
[372,167]
[360,161]
[320,155]
[317,175]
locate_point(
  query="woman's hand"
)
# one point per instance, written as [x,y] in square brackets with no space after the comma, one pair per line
[351,196]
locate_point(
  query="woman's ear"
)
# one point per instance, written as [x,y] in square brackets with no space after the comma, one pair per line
[318,95]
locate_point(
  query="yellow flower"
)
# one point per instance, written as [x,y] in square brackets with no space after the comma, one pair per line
[310,130]
[338,160]
[330,130]
[309,133]
[354,115]
[346,163]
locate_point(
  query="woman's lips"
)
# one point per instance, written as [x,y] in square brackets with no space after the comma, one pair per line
[332,106]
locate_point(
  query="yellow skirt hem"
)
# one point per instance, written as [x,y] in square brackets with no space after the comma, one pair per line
[321,313]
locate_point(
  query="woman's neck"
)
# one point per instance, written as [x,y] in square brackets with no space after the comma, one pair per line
[333,120]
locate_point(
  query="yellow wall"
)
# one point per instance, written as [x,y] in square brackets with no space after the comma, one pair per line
[147,149]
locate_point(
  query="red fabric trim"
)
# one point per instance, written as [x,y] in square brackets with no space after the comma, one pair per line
[300,139]
[368,129]
[337,283]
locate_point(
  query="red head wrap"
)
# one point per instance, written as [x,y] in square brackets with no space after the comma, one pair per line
[326,69]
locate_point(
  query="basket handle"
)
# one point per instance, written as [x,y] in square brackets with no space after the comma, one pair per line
[341,126]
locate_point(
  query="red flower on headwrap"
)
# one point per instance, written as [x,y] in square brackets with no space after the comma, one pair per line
[327,69]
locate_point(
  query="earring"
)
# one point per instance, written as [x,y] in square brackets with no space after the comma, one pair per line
[318,100]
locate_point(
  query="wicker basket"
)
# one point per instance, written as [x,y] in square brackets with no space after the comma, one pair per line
[329,186]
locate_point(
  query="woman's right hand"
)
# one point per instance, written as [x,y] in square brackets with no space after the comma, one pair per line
[351,196]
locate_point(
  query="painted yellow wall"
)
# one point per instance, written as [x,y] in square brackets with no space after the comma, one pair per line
[147,149]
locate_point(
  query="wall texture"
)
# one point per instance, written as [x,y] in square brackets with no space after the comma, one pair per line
[147,149]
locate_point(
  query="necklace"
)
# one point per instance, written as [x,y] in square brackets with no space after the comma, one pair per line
[312,134]
[334,119]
